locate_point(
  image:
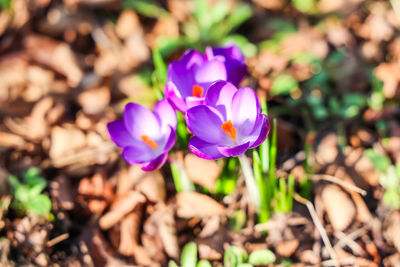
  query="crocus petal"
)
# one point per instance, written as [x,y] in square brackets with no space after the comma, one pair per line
[205,123]
[219,95]
[182,72]
[193,101]
[245,110]
[166,114]
[171,137]
[119,134]
[234,63]
[203,149]
[138,153]
[156,163]
[209,72]
[174,97]
[141,121]
[233,151]
[260,133]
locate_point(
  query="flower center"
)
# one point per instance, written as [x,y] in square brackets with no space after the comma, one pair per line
[150,142]
[229,129]
[197,90]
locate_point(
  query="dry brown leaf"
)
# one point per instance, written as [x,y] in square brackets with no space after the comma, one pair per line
[130,228]
[121,206]
[127,23]
[356,159]
[11,140]
[96,191]
[392,229]
[327,149]
[287,248]
[161,225]
[94,101]
[59,145]
[338,206]
[193,204]
[152,186]
[56,55]
[201,171]
[389,74]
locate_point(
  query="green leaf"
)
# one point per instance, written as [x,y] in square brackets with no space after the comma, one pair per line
[306,6]
[380,162]
[284,84]
[14,182]
[238,220]
[189,255]
[204,263]
[171,263]
[261,257]
[41,205]
[234,256]
[219,11]
[240,14]
[160,66]
[22,194]
[147,8]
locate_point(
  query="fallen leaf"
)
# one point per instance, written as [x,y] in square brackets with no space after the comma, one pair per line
[201,171]
[123,205]
[193,204]
[94,101]
[338,206]
[56,55]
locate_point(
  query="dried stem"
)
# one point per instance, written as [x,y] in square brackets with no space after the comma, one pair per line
[344,184]
[319,226]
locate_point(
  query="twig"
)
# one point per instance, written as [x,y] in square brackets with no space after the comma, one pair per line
[57,239]
[345,239]
[344,184]
[319,226]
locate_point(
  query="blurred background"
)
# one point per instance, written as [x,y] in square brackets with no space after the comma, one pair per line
[329,71]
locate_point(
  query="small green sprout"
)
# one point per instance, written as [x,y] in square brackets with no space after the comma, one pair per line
[390,177]
[28,196]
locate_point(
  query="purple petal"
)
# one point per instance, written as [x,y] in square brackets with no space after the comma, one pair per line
[209,72]
[138,153]
[234,151]
[245,110]
[119,134]
[192,101]
[174,97]
[156,163]
[234,63]
[219,95]
[141,121]
[181,72]
[166,114]
[203,149]
[205,123]
[171,139]
[260,133]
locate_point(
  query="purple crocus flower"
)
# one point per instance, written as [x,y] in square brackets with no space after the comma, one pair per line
[190,76]
[228,123]
[145,136]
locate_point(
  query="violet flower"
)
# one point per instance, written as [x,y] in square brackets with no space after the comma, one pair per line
[190,76]
[145,136]
[228,123]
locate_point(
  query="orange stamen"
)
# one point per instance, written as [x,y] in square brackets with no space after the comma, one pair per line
[229,129]
[197,91]
[150,142]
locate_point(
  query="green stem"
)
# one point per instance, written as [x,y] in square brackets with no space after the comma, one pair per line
[181,180]
[250,181]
